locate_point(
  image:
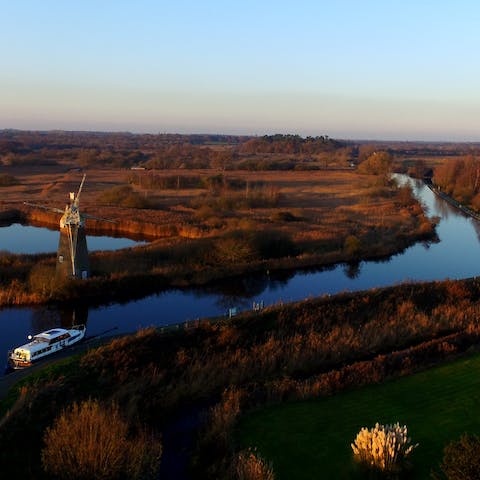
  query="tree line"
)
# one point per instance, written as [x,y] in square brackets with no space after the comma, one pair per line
[460,178]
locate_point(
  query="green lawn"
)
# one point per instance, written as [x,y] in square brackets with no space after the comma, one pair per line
[311,439]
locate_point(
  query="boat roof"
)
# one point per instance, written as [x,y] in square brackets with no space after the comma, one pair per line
[54,332]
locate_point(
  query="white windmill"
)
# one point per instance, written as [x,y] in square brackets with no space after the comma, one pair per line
[72,254]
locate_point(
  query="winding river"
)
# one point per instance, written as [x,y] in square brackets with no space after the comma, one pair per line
[453,256]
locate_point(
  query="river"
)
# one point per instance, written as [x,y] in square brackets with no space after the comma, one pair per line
[453,256]
[19,238]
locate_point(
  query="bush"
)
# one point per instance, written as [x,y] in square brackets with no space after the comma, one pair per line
[352,245]
[461,460]
[124,196]
[378,163]
[247,246]
[383,448]
[251,466]
[90,442]
[41,279]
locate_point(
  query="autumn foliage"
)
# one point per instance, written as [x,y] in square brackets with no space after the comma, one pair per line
[460,178]
[88,441]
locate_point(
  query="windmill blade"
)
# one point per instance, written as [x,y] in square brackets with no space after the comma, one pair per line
[77,197]
[44,207]
[86,215]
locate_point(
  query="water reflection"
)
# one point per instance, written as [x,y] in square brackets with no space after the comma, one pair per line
[19,239]
[352,270]
[64,316]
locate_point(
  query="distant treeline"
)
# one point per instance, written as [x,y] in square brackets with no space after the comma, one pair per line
[205,151]
[168,151]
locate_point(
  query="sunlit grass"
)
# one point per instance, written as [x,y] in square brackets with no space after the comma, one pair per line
[312,439]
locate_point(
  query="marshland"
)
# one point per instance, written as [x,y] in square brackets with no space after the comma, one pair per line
[215,209]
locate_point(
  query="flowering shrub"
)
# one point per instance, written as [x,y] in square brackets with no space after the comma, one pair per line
[383,448]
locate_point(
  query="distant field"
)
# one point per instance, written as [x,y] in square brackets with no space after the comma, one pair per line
[311,439]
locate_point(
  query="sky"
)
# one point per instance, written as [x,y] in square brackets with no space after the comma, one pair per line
[370,69]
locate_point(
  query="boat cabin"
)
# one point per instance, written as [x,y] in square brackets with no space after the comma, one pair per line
[41,344]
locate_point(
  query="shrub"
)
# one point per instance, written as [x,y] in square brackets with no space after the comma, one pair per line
[90,442]
[41,279]
[352,245]
[461,460]
[383,448]
[250,465]
[247,246]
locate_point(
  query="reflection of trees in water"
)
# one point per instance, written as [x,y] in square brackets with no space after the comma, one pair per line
[58,316]
[476,226]
[446,209]
[43,319]
[236,292]
[239,292]
[442,207]
[352,270]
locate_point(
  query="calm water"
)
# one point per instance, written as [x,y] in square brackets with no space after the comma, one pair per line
[26,239]
[454,256]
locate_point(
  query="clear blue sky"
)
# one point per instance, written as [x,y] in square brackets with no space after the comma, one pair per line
[346,68]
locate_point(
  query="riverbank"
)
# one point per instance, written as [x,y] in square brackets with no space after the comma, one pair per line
[140,271]
[449,199]
[311,348]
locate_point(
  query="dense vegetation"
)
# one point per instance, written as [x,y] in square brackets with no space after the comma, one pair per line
[308,349]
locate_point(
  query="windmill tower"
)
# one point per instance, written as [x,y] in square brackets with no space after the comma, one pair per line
[72,253]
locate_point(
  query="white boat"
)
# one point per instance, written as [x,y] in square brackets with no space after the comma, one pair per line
[44,344]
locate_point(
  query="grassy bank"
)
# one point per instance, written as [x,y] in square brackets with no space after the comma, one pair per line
[312,439]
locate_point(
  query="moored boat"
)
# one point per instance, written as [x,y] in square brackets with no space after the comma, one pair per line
[43,344]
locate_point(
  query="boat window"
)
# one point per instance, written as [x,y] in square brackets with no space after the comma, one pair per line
[39,339]
[59,338]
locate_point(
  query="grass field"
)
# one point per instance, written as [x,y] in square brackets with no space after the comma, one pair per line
[311,439]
